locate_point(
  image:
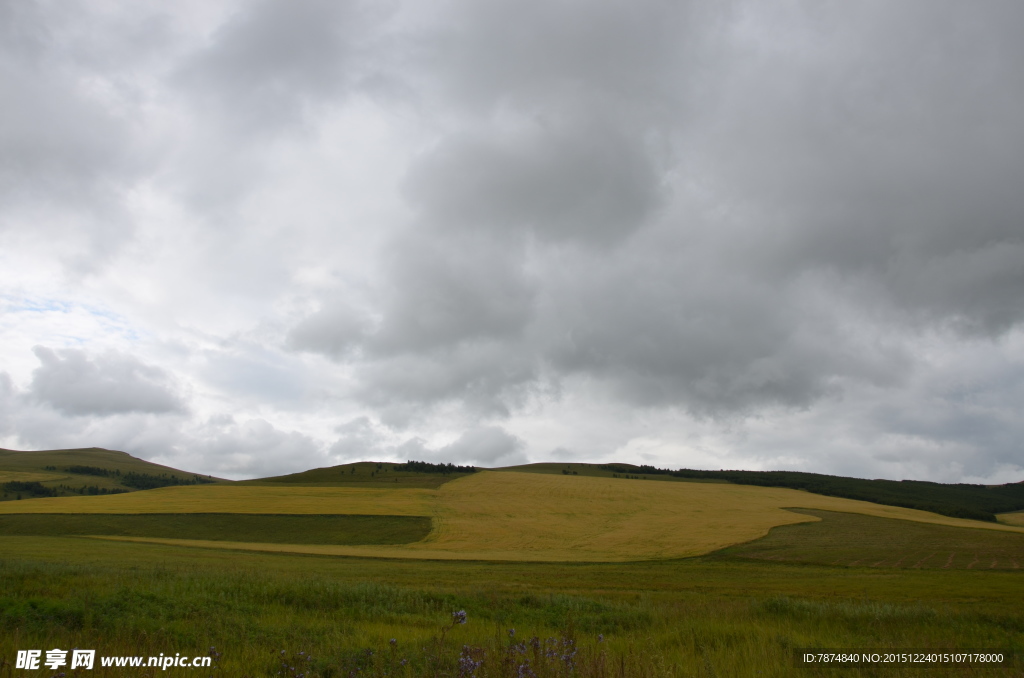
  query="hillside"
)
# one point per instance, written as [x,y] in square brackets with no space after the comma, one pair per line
[92,471]
[961,500]
[84,471]
[371,474]
[498,516]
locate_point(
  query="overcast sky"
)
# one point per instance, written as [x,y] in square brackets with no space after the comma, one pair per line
[251,238]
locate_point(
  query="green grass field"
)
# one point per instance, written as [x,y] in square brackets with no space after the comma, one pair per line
[714,616]
[849,539]
[270,528]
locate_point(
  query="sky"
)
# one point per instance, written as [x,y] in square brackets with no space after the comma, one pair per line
[253,238]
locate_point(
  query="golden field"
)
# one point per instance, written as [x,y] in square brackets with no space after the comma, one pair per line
[240,499]
[514,516]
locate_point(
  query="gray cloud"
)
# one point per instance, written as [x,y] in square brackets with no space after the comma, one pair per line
[641,56]
[480,446]
[485,446]
[578,179]
[486,378]
[77,385]
[335,330]
[7,403]
[699,223]
[358,439]
[268,63]
[743,239]
[67,155]
[890,159]
[443,293]
[250,449]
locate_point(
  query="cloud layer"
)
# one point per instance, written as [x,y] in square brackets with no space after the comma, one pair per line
[251,239]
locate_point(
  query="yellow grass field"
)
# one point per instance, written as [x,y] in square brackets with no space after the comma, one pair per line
[242,499]
[515,516]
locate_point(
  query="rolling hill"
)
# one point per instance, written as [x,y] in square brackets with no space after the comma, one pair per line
[370,474]
[499,516]
[959,500]
[85,471]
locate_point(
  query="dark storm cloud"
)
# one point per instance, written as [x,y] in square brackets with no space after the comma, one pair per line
[443,293]
[488,378]
[270,61]
[76,384]
[779,209]
[713,344]
[449,317]
[571,179]
[639,56]
[890,158]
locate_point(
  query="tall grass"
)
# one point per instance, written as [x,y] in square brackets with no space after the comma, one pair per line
[305,619]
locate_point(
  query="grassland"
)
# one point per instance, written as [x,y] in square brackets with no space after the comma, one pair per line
[31,476]
[16,460]
[1016,519]
[241,499]
[719,615]
[852,540]
[958,500]
[268,528]
[592,573]
[511,516]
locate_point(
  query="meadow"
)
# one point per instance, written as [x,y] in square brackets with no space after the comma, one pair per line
[718,615]
[367,571]
[265,528]
[509,516]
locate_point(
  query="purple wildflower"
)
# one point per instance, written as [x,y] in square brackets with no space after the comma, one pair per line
[467,665]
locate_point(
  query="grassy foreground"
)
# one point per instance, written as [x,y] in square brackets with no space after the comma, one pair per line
[714,616]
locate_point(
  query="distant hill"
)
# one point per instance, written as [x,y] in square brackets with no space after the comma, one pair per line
[961,500]
[93,470]
[88,471]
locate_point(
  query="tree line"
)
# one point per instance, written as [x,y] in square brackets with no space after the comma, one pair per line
[427,467]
